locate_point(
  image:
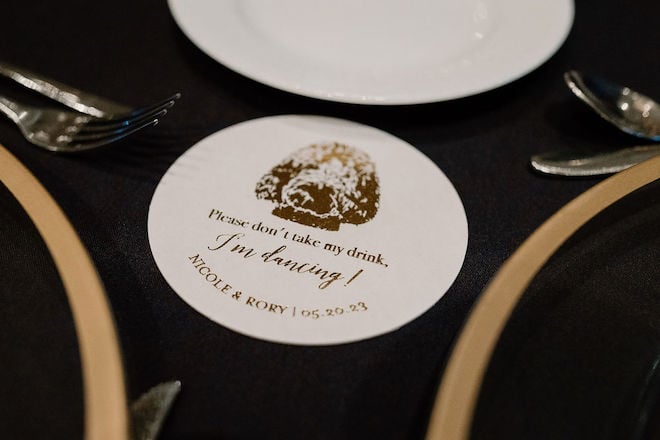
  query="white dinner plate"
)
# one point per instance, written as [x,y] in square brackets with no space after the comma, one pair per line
[378,51]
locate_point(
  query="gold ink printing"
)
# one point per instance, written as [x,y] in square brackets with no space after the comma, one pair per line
[323,186]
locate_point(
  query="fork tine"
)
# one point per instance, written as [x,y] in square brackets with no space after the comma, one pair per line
[127,118]
[87,144]
[165,103]
[86,134]
[172,98]
[95,125]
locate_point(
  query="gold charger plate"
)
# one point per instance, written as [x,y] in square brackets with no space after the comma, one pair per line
[105,408]
[456,402]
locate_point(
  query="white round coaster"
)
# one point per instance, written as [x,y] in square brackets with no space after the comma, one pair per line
[307,230]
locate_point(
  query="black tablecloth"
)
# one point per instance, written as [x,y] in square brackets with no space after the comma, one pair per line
[238,387]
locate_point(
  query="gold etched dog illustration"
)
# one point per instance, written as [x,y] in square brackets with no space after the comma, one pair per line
[323,186]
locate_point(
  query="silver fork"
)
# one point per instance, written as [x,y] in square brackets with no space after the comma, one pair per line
[68,131]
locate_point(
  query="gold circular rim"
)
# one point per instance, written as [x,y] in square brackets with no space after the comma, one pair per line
[106,412]
[451,417]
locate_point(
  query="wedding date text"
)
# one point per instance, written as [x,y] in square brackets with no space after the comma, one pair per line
[333,312]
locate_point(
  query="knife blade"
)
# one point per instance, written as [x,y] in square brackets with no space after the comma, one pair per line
[148,412]
[575,165]
[72,97]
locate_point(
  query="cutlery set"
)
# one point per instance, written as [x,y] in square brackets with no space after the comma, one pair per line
[94,121]
[626,109]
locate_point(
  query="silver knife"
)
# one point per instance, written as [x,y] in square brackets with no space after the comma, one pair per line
[83,102]
[149,411]
[571,164]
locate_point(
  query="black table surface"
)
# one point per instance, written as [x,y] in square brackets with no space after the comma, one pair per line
[239,387]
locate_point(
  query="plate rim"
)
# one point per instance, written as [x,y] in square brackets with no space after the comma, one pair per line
[457,395]
[105,405]
[398,99]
